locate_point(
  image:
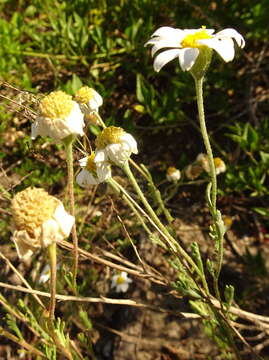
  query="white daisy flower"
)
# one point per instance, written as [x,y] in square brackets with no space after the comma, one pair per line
[186,45]
[91,174]
[120,282]
[59,117]
[173,174]
[89,100]
[115,145]
[39,220]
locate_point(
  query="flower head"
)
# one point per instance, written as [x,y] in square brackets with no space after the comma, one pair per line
[193,171]
[173,174]
[91,174]
[220,166]
[89,100]
[39,220]
[115,145]
[59,117]
[120,282]
[186,45]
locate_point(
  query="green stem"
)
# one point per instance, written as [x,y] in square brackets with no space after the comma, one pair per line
[52,250]
[201,113]
[213,205]
[68,141]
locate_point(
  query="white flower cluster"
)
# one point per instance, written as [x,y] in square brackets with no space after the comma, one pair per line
[60,116]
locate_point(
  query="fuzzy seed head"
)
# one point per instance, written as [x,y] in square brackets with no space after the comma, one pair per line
[110,135]
[84,95]
[31,208]
[56,105]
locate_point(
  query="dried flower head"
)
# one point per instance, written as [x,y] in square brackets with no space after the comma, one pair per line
[39,220]
[59,117]
[193,171]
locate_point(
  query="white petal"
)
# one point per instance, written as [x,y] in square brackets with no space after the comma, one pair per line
[100,156]
[103,172]
[86,179]
[168,32]
[187,58]
[130,140]
[34,130]
[223,46]
[163,58]
[160,44]
[232,33]
[51,233]
[64,220]
[83,161]
[75,121]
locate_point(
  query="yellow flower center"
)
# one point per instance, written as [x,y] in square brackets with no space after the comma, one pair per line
[171,170]
[56,105]
[110,135]
[218,162]
[84,95]
[191,40]
[120,280]
[31,208]
[91,166]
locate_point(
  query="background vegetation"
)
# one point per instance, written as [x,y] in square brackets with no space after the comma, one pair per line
[47,45]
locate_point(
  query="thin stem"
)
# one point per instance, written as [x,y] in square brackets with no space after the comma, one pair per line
[117,189]
[213,205]
[52,250]
[175,247]
[201,113]
[70,186]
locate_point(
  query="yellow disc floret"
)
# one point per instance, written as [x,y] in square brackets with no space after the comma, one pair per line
[84,95]
[120,280]
[218,162]
[171,170]
[110,135]
[31,208]
[56,105]
[91,166]
[190,40]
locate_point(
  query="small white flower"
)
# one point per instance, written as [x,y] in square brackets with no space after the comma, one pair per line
[91,174]
[59,117]
[120,282]
[220,166]
[202,159]
[115,145]
[45,274]
[39,219]
[173,174]
[186,45]
[89,100]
